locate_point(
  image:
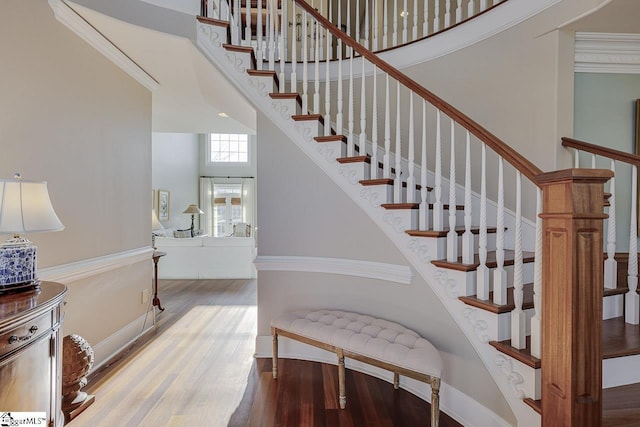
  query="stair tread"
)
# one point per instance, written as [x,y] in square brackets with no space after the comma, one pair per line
[509,256]
[354,159]
[489,305]
[212,21]
[619,339]
[460,230]
[415,206]
[535,404]
[621,406]
[523,355]
[309,117]
[387,181]
[331,138]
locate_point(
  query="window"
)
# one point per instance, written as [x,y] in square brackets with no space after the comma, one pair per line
[228,148]
[227,208]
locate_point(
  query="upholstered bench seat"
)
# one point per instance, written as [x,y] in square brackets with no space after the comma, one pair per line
[365,338]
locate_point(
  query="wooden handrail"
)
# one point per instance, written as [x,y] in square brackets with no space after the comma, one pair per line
[518,161]
[610,153]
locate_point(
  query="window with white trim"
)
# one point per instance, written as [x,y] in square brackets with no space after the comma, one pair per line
[228,148]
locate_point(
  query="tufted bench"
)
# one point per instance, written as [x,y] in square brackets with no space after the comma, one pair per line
[377,342]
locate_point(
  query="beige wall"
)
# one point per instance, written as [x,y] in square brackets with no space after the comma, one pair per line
[303,213]
[71,117]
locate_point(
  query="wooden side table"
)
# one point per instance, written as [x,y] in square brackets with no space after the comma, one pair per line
[31,351]
[156,257]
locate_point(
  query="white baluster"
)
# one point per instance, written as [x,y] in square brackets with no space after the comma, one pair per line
[281,47]
[237,24]
[349,49]
[438,211]
[339,115]
[610,264]
[327,90]
[452,235]
[518,317]
[405,21]
[284,19]
[411,180]
[363,114]
[536,320]
[467,237]
[483,5]
[394,35]
[385,25]
[447,14]
[294,51]
[593,161]
[424,191]
[386,160]
[357,33]
[375,29]
[576,159]
[632,300]
[247,28]
[366,26]
[425,20]
[436,17]
[414,31]
[350,138]
[499,274]
[397,182]
[320,33]
[471,8]
[316,76]
[374,127]
[459,11]
[305,68]
[259,40]
[482,279]
[272,34]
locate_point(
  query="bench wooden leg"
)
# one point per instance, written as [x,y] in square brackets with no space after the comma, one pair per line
[275,354]
[341,380]
[435,402]
[396,380]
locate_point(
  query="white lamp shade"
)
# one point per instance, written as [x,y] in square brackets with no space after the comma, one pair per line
[155,223]
[25,207]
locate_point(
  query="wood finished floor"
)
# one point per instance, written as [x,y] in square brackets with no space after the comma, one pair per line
[197,369]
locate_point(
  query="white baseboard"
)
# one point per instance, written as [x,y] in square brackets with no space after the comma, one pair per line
[116,342]
[453,402]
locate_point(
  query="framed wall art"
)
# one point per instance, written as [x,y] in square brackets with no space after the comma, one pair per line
[164,204]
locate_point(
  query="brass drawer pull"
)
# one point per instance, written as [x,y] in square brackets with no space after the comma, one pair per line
[14,338]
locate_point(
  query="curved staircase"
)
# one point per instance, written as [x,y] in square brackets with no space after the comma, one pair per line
[484,261]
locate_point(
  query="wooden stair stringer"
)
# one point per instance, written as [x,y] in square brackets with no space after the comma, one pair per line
[513,381]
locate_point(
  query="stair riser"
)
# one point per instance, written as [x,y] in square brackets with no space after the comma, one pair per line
[466,281]
[266,84]
[620,371]
[498,326]
[355,172]
[612,306]
[378,194]
[332,150]
[288,107]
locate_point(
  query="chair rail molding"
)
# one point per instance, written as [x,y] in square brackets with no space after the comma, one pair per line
[350,267]
[73,271]
[607,53]
[72,20]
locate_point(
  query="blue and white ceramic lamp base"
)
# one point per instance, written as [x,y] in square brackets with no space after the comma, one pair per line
[18,263]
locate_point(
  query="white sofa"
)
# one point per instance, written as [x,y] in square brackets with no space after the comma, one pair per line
[205,257]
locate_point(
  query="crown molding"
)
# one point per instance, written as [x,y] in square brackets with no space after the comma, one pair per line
[76,23]
[607,53]
[350,267]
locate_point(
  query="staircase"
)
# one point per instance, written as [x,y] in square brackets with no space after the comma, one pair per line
[484,261]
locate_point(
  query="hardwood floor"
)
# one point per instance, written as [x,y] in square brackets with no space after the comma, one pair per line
[197,369]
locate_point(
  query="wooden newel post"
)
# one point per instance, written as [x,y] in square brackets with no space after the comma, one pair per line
[572,287]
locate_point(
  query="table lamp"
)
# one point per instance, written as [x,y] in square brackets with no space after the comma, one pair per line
[25,207]
[193,210]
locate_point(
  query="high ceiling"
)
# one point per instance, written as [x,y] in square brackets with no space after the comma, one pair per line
[191,91]
[616,16]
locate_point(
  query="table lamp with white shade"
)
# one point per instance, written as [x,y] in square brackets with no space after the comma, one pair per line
[25,207]
[193,210]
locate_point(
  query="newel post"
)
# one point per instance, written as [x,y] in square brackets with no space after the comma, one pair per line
[572,287]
